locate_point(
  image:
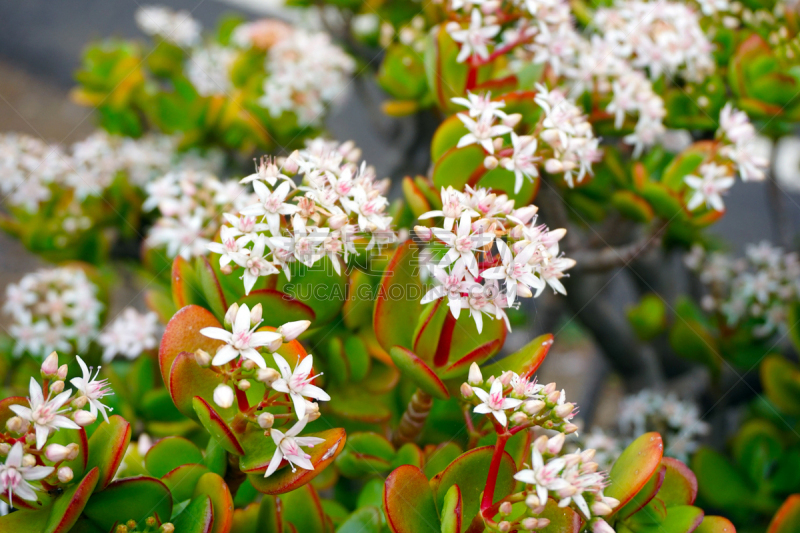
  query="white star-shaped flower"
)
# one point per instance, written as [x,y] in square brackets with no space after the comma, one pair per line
[297,384]
[290,447]
[242,341]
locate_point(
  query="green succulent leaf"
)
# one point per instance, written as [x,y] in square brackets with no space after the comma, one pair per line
[216,426]
[197,517]
[634,468]
[182,479]
[452,511]
[680,484]
[182,334]
[278,308]
[787,519]
[215,488]
[170,453]
[303,509]
[135,498]
[408,502]
[398,298]
[363,520]
[421,374]
[107,447]
[365,453]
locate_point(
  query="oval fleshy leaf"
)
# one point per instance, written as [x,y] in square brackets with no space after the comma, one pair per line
[245,520]
[186,289]
[363,520]
[429,329]
[170,453]
[365,453]
[216,426]
[216,489]
[715,524]
[398,298]
[303,509]
[460,344]
[182,334]
[525,361]
[187,379]
[787,519]
[358,405]
[680,519]
[197,517]
[68,507]
[24,521]
[408,502]
[284,480]
[420,373]
[680,484]
[452,511]
[133,498]
[470,471]
[278,307]
[107,447]
[635,467]
[319,287]
[182,480]
[562,519]
[643,497]
[719,482]
[212,290]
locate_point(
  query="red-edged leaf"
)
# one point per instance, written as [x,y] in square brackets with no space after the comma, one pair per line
[787,519]
[421,374]
[188,379]
[183,335]
[452,511]
[562,519]
[408,502]
[470,471]
[278,307]
[216,489]
[169,453]
[186,288]
[525,361]
[647,493]
[182,480]
[5,408]
[303,509]
[216,426]
[284,480]
[69,506]
[429,329]
[212,290]
[715,524]
[107,447]
[398,298]
[133,498]
[635,467]
[680,484]
[198,517]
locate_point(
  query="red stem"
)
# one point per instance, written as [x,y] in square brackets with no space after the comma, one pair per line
[241,399]
[494,468]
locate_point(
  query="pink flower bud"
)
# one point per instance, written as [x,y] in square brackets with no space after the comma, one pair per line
[600,509]
[532,407]
[230,315]
[506,378]
[57,387]
[490,162]
[28,460]
[611,502]
[56,453]
[505,508]
[570,429]
[553,396]
[290,166]
[249,364]
[466,391]
[541,443]
[84,418]
[65,474]
[512,120]
[532,501]
[16,424]
[266,420]
[525,214]
[550,387]
[504,526]
[523,291]
[267,376]
[50,365]
[338,221]
[553,166]
[73,451]
[555,444]
[312,407]
[601,526]
[223,396]
[292,330]
[63,370]
[543,522]
[498,142]
[587,455]
[567,492]
[243,385]
[564,410]
[519,418]
[275,345]
[530,523]
[475,377]
[202,358]
[227,269]
[423,234]
[80,402]
[255,315]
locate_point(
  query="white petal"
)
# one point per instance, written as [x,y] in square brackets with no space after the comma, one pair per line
[276,458]
[216,333]
[225,354]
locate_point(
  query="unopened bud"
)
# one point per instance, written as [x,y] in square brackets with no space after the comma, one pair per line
[16,424]
[230,315]
[203,358]
[338,221]
[611,502]
[84,418]
[290,166]
[475,377]
[255,315]
[267,376]
[151,521]
[523,291]
[543,522]
[243,385]
[519,418]
[312,407]
[131,524]
[601,526]
[423,233]
[80,402]
[291,330]
[50,365]
[490,381]
[564,410]
[532,407]
[275,345]
[541,443]
[65,474]
[550,387]
[5,448]
[223,396]
[532,501]
[600,509]
[490,162]
[249,364]
[313,416]
[62,372]
[265,420]
[28,460]
[512,120]
[570,429]
[73,451]
[56,453]
[589,468]
[505,508]
[122,528]
[506,378]
[553,396]
[504,526]
[57,387]
[498,141]
[466,391]
[553,166]
[588,454]
[555,444]
[227,269]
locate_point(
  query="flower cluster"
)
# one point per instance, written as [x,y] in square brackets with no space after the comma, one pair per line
[736,154]
[53,309]
[130,334]
[467,272]
[35,173]
[191,204]
[756,290]
[305,71]
[528,402]
[240,360]
[337,202]
[48,410]
[571,478]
